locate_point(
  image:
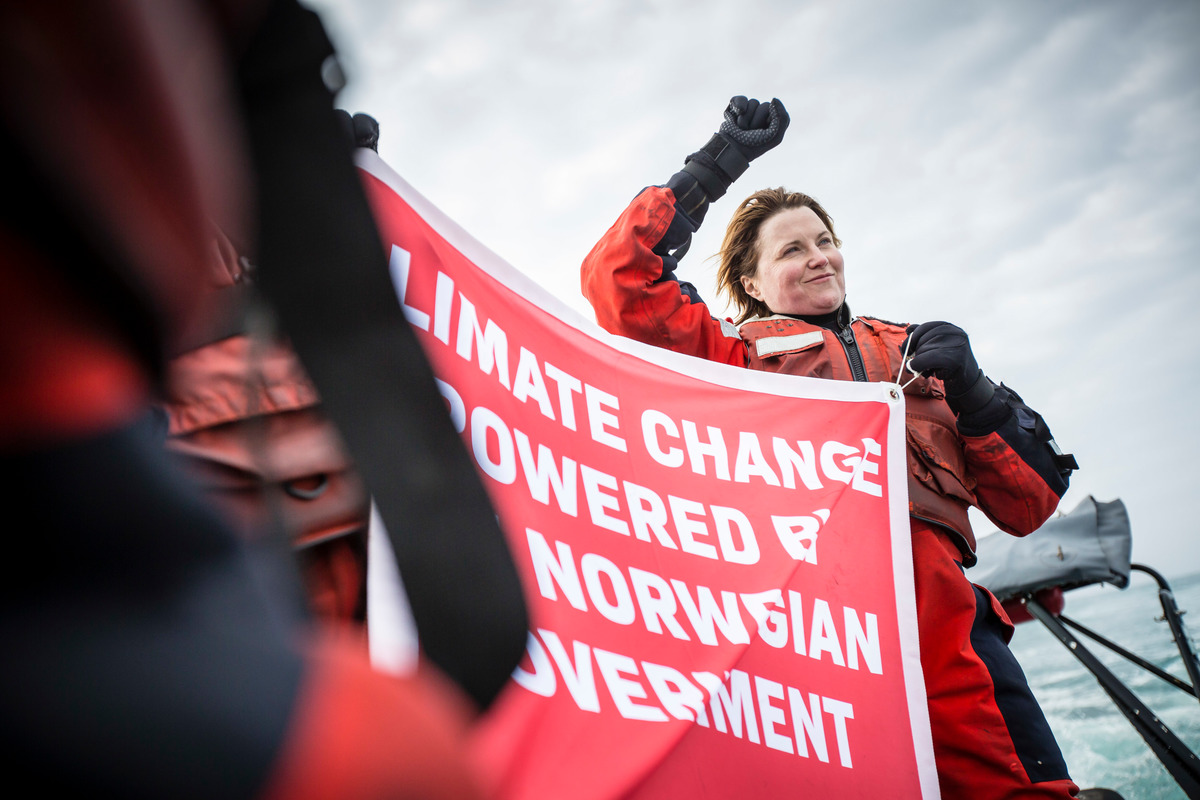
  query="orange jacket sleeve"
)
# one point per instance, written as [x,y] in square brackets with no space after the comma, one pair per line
[629,279]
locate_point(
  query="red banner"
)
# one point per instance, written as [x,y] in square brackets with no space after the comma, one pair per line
[717,561]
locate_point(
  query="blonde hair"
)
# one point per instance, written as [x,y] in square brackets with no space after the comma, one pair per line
[739,252]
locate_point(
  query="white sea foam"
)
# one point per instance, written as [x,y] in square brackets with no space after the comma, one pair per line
[1099,744]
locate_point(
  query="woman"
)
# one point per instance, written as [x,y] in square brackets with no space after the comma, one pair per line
[970,442]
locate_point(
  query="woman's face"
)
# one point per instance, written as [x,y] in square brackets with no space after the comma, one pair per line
[799,268]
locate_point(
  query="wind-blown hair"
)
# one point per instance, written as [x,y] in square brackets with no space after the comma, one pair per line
[739,252]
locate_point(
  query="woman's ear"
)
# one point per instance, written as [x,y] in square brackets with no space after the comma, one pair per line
[751,287]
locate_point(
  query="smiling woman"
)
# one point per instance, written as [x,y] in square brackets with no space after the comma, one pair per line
[780,252]
[971,443]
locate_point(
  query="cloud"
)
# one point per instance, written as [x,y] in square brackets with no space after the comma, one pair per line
[1028,170]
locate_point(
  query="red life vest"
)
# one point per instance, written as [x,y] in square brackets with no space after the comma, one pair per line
[940,488]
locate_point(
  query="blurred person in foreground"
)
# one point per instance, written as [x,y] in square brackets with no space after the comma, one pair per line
[151,650]
[246,423]
[970,442]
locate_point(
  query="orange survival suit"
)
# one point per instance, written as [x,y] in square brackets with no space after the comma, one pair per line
[245,419]
[990,738]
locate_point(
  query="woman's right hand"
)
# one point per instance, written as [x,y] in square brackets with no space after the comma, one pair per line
[750,129]
[754,127]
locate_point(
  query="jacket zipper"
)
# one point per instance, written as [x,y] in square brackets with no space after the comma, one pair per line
[846,335]
[850,346]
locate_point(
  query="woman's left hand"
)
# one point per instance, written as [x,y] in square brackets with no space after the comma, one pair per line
[944,351]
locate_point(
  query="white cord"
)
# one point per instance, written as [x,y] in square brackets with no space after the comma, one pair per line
[904,363]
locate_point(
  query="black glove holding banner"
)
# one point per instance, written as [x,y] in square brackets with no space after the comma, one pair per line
[361,130]
[943,350]
[750,129]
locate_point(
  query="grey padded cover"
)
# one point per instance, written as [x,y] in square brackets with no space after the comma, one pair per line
[1089,545]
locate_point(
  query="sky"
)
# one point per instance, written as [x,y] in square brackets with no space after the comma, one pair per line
[1029,170]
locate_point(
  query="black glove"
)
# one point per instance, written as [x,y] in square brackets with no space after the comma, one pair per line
[361,130]
[943,350]
[753,126]
[750,129]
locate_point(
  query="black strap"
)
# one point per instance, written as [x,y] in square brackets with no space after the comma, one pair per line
[322,265]
[716,166]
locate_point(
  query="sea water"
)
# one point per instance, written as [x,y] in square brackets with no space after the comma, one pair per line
[1100,746]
